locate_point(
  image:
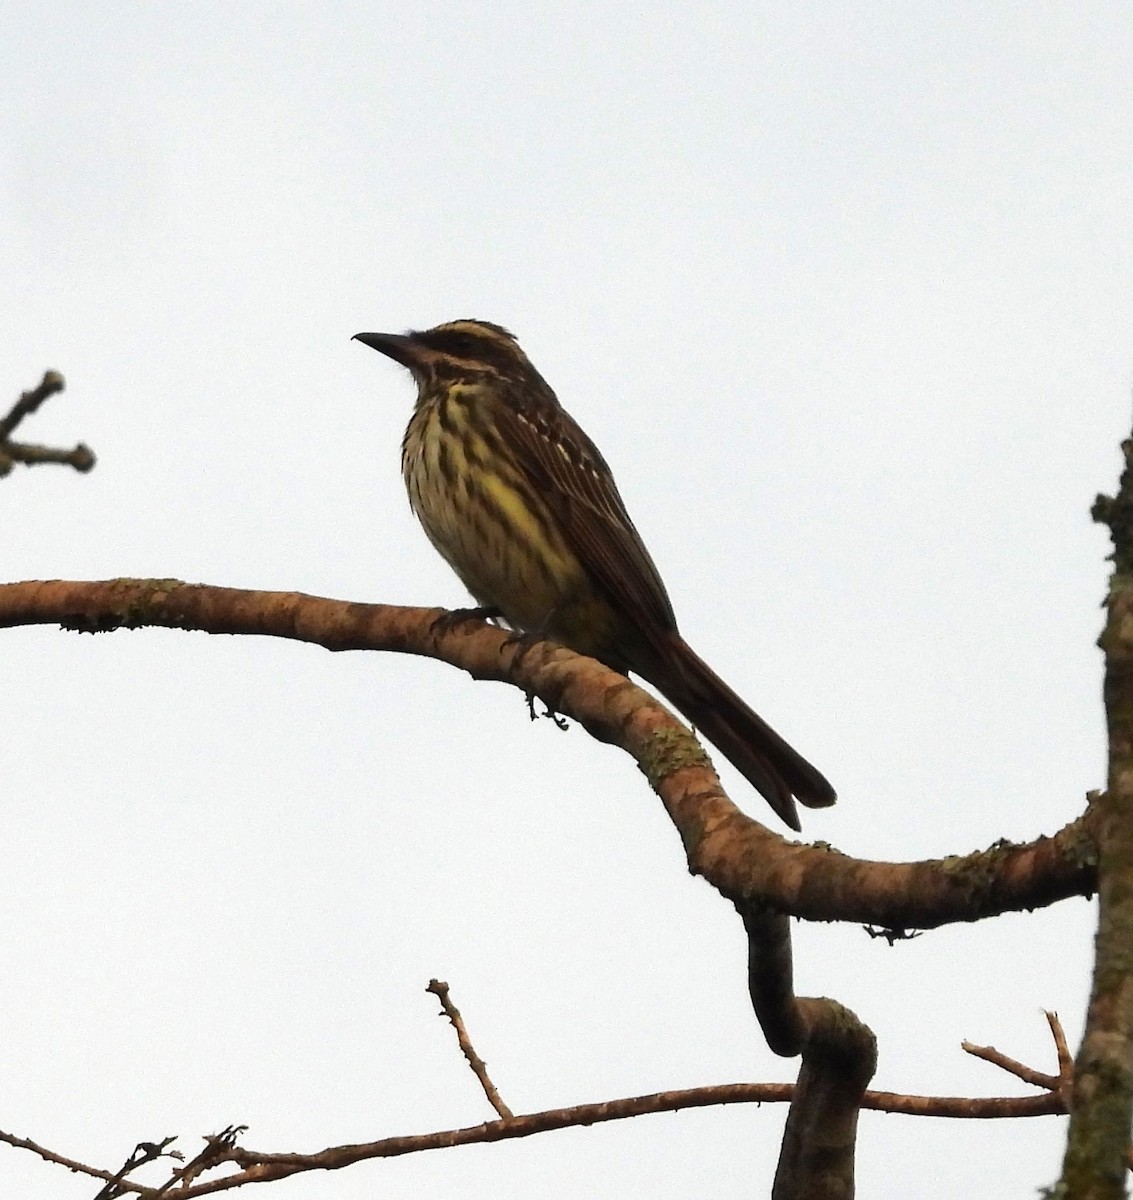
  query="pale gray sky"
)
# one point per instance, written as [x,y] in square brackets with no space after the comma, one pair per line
[842,290]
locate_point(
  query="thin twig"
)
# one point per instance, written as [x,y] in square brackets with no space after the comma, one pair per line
[81,457]
[1012,1066]
[257,1166]
[216,1148]
[51,1156]
[51,383]
[142,1153]
[1065,1058]
[479,1067]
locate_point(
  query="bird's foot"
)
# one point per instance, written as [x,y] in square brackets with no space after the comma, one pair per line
[448,621]
[548,712]
[526,641]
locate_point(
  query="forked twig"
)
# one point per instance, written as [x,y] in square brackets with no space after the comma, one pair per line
[1062,1083]
[142,1153]
[81,457]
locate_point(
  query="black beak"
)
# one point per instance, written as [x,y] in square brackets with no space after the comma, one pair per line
[398,346]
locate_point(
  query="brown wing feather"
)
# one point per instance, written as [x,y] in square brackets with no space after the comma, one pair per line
[573,478]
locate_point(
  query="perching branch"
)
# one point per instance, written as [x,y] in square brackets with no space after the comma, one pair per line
[766,876]
[742,859]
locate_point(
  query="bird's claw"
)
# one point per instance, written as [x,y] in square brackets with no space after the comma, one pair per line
[548,712]
[448,621]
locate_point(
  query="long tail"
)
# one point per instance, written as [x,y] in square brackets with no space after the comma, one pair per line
[775,769]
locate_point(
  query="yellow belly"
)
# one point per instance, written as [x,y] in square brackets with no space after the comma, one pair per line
[497,533]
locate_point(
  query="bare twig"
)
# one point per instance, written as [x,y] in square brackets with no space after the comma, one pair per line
[259,1166]
[216,1148]
[479,1067]
[81,457]
[51,1156]
[1061,1084]
[1065,1058]
[1020,1070]
[143,1152]
[51,383]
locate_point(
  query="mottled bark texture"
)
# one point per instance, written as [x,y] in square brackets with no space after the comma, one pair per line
[1102,1107]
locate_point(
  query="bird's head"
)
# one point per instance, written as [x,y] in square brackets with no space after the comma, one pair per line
[457,351]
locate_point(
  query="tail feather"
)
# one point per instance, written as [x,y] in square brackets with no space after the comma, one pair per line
[774,768]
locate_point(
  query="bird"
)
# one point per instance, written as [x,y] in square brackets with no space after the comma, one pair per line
[524,508]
